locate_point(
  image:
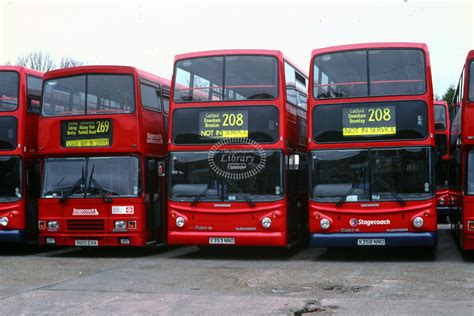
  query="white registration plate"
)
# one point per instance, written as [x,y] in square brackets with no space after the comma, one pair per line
[221,241]
[83,243]
[370,242]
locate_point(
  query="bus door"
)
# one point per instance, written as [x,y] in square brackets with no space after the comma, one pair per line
[154,197]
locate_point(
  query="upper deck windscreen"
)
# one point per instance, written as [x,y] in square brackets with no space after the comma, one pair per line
[226,78]
[440,117]
[373,72]
[88,94]
[8,90]
[471,81]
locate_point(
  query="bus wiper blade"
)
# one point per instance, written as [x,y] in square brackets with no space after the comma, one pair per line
[238,189]
[74,188]
[200,195]
[102,193]
[389,188]
[344,197]
[98,186]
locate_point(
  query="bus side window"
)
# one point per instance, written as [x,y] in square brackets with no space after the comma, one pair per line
[166,99]
[33,87]
[151,98]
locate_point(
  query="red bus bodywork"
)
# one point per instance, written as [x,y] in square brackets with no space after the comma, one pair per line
[372,222]
[18,214]
[445,196]
[462,141]
[238,221]
[141,133]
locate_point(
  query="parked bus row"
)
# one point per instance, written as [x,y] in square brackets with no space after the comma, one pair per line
[241,147]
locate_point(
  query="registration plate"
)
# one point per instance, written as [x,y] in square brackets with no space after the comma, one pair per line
[83,243]
[222,241]
[370,242]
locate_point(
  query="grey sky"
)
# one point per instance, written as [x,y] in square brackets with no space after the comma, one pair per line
[148,34]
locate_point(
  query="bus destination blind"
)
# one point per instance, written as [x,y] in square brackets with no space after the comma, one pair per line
[86,133]
[369,121]
[223,124]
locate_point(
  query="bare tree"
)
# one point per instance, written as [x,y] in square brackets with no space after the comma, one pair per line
[38,60]
[43,61]
[67,62]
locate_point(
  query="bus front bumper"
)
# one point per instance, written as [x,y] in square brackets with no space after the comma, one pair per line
[276,239]
[405,239]
[13,236]
[91,239]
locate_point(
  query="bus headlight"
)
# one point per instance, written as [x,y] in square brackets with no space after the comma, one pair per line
[418,222]
[4,221]
[180,221]
[325,223]
[53,225]
[441,201]
[266,222]
[121,225]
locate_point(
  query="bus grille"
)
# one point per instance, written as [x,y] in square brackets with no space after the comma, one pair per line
[85,224]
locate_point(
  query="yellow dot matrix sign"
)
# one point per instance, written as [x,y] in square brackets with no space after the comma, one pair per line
[86,133]
[223,124]
[369,121]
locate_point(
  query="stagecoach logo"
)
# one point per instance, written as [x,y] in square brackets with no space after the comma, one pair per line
[237,164]
[368,222]
[353,222]
[84,212]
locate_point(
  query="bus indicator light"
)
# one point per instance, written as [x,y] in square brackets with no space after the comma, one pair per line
[470,225]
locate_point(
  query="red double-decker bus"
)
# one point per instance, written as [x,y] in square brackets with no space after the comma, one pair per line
[237,150]
[462,146]
[445,196]
[20,94]
[102,137]
[371,142]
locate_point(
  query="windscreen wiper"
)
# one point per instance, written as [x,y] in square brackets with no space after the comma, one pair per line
[344,197]
[389,188]
[74,188]
[239,190]
[99,188]
[200,195]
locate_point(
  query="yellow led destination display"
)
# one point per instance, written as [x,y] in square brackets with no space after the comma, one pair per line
[369,121]
[223,124]
[86,133]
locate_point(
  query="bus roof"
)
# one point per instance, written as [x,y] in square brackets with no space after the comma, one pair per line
[470,54]
[21,69]
[375,45]
[441,102]
[221,52]
[113,69]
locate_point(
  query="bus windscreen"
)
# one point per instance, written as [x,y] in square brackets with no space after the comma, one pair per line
[226,78]
[88,94]
[440,117]
[374,72]
[471,81]
[8,90]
